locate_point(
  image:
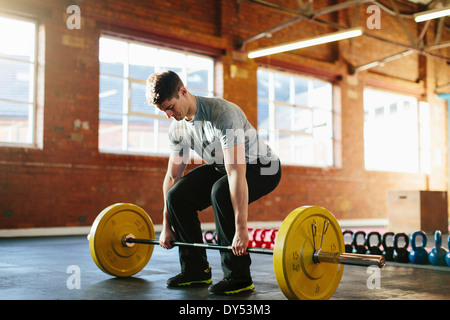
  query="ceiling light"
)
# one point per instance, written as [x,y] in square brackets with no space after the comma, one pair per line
[432,14]
[335,36]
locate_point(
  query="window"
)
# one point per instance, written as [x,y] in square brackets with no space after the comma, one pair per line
[396,132]
[17,81]
[127,123]
[295,117]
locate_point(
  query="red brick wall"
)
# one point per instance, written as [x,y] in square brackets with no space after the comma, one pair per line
[67,182]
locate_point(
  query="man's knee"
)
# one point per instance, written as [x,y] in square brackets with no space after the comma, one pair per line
[172,195]
[220,192]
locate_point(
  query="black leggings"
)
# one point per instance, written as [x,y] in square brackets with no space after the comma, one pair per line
[205,186]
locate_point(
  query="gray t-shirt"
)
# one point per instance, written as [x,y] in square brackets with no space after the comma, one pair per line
[218,125]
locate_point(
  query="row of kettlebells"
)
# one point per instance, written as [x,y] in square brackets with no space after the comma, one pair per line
[258,238]
[418,254]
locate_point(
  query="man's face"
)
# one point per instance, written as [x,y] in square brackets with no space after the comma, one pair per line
[175,108]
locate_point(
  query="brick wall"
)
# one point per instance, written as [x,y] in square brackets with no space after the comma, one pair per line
[66,181]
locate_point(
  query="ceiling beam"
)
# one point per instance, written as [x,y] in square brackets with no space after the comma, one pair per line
[299,16]
[377,63]
[402,23]
[402,54]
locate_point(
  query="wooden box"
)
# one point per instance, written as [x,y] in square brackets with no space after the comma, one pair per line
[410,211]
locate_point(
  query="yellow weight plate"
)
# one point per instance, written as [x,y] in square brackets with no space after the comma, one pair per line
[105,239]
[297,275]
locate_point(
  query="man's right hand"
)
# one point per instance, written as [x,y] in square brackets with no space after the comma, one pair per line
[166,237]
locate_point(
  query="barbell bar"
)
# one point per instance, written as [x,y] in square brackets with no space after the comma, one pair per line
[129,241]
[318,256]
[303,269]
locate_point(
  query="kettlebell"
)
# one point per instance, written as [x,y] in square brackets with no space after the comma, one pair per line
[418,254]
[208,236]
[268,238]
[348,246]
[447,256]
[373,249]
[401,254]
[359,248]
[388,251]
[437,254]
[258,237]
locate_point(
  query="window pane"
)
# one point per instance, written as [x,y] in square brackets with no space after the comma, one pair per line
[265,135]
[138,101]
[17,39]
[197,62]
[303,120]
[141,134]
[263,115]
[198,74]
[111,68]
[321,95]
[301,91]
[282,87]
[142,61]
[198,92]
[113,56]
[323,126]
[14,122]
[263,84]
[16,80]
[141,72]
[163,133]
[283,116]
[111,94]
[297,149]
[304,150]
[284,144]
[294,119]
[110,131]
[323,152]
[425,137]
[172,60]
[391,132]
[198,80]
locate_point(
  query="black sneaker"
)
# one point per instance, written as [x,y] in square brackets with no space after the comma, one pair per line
[191,279]
[230,286]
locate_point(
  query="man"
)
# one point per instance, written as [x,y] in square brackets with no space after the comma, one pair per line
[239,169]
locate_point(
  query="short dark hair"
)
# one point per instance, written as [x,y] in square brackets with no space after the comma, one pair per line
[162,86]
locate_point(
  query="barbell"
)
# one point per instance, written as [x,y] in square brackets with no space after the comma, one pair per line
[308,255]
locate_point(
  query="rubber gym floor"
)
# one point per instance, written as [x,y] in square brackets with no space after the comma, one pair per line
[42,269]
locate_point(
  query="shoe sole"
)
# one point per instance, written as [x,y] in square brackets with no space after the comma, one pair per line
[192,283]
[245,289]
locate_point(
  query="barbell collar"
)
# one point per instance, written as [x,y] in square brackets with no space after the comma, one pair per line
[349,259]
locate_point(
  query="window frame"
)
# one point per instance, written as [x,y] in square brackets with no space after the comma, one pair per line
[32,140]
[423,131]
[127,110]
[272,130]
